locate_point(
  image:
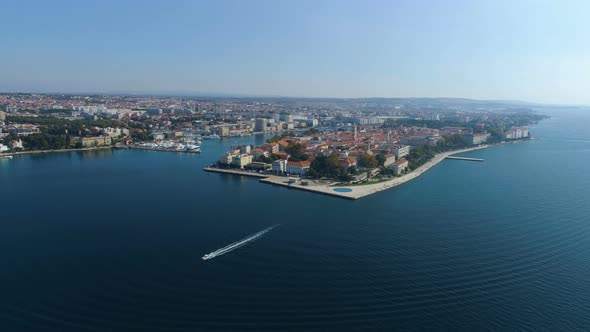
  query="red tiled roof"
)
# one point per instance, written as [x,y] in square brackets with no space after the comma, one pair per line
[303,163]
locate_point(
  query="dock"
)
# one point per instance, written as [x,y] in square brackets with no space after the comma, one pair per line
[464,158]
[235,172]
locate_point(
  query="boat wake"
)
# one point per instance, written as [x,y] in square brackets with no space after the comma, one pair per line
[238,244]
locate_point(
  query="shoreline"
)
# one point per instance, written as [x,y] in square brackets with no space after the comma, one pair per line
[359,191]
[54,151]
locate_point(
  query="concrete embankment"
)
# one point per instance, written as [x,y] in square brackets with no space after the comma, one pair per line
[314,186]
[351,192]
[234,172]
[55,151]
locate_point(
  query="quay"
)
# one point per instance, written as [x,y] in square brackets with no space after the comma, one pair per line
[314,186]
[464,158]
[235,172]
[351,192]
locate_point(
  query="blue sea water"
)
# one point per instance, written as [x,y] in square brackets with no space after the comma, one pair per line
[112,241]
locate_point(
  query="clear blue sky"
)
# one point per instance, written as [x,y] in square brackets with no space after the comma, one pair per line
[527,50]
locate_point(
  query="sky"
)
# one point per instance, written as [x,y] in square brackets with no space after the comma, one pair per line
[536,51]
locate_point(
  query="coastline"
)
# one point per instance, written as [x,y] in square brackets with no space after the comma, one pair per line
[54,151]
[361,191]
[358,191]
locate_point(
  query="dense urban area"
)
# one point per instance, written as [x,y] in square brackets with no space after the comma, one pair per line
[349,140]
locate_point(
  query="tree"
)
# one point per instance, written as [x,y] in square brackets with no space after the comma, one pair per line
[296,151]
[310,132]
[275,138]
[381,159]
[265,159]
[325,166]
[368,161]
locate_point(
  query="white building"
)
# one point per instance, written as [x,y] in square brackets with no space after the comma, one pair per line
[3,148]
[241,160]
[399,166]
[517,132]
[373,120]
[260,124]
[245,149]
[298,167]
[476,139]
[389,160]
[226,158]
[401,151]
[279,166]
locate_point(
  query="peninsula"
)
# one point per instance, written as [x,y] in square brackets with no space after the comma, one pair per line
[364,156]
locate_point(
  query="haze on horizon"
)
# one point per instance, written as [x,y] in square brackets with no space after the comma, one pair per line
[510,50]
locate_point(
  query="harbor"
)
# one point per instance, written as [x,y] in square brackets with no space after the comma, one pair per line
[164,147]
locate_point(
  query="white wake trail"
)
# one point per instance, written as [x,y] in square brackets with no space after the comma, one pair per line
[237,244]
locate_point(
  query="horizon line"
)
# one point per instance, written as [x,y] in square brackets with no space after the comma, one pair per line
[253,96]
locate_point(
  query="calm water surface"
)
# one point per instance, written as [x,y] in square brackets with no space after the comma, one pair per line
[112,241]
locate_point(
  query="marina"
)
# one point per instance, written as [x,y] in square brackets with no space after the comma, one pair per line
[164,146]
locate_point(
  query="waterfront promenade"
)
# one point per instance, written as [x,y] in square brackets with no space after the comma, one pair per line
[55,151]
[354,192]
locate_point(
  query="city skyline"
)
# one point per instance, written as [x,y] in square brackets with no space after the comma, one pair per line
[529,51]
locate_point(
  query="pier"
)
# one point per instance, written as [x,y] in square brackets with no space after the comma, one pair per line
[464,158]
[235,172]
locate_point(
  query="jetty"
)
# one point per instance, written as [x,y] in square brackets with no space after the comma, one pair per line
[235,172]
[464,158]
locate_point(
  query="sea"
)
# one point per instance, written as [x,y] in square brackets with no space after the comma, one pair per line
[112,240]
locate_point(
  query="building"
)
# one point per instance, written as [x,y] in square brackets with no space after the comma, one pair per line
[369,120]
[226,158]
[260,124]
[245,149]
[401,151]
[288,118]
[476,139]
[517,132]
[224,131]
[309,122]
[2,116]
[271,147]
[158,136]
[389,160]
[298,167]
[279,166]
[88,142]
[399,166]
[23,129]
[241,160]
[16,145]
[259,152]
[3,148]
[154,111]
[347,162]
[282,145]
[260,166]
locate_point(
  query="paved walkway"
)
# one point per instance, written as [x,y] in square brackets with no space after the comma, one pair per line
[360,191]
